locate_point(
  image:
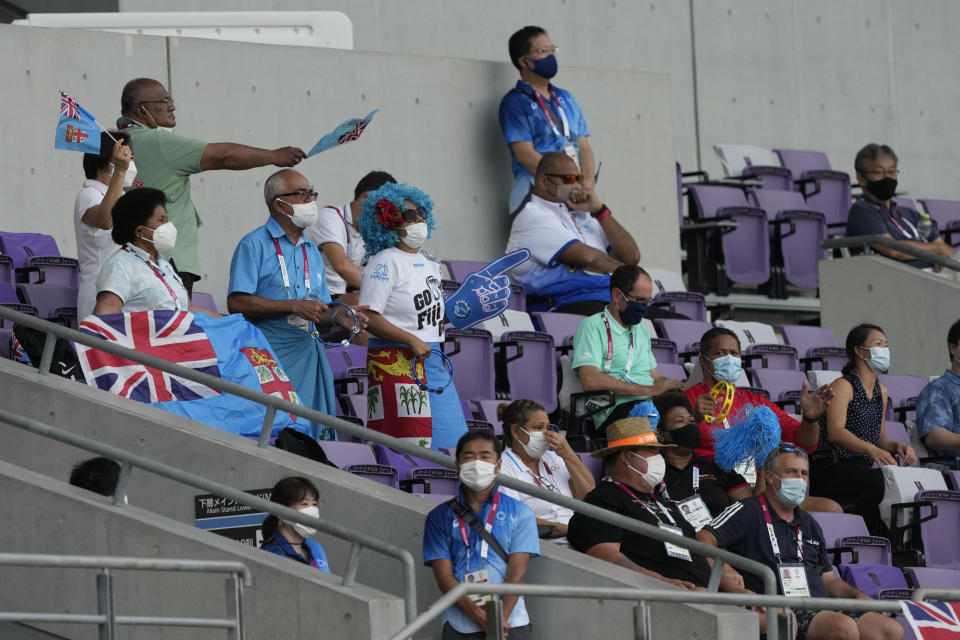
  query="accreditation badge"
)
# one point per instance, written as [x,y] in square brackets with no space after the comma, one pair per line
[748,470]
[673,550]
[475,577]
[694,511]
[793,580]
[571,150]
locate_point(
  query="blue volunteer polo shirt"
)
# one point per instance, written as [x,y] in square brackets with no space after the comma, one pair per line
[315,556]
[255,269]
[514,527]
[938,405]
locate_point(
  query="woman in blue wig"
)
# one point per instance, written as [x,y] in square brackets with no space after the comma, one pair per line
[401,285]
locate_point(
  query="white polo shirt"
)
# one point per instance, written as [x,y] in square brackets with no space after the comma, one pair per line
[94,245]
[553,477]
[335,224]
[141,284]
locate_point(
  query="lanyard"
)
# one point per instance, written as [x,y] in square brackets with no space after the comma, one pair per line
[343,212]
[913,229]
[546,112]
[157,273]
[696,479]
[283,269]
[773,536]
[484,547]
[608,363]
[646,506]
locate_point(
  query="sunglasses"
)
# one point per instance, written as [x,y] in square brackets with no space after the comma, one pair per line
[411,215]
[568,178]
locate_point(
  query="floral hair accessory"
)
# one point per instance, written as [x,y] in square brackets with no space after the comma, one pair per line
[388,215]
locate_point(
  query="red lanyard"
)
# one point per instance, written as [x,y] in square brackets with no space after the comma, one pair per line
[283,268]
[916,234]
[489,527]
[609,361]
[773,536]
[644,504]
[157,273]
[546,112]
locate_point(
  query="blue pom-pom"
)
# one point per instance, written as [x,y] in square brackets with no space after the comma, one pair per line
[646,409]
[754,434]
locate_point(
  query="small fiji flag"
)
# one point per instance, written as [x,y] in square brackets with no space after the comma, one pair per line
[77,129]
[346,131]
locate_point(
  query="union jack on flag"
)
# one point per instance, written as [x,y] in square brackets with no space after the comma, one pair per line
[346,131]
[933,620]
[171,335]
[69,107]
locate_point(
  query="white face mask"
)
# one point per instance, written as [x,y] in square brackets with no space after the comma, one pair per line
[478,474]
[302,529]
[128,177]
[656,468]
[304,214]
[416,235]
[537,446]
[564,191]
[164,237]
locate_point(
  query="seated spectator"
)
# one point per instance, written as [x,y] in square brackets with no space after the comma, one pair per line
[938,406]
[853,432]
[99,475]
[537,118]
[482,535]
[542,457]
[107,174]
[292,539]
[273,286]
[611,349]
[700,488]
[572,237]
[877,214]
[337,234]
[138,277]
[744,528]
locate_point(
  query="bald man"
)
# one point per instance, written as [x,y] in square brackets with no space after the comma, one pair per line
[166,161]
[574,240]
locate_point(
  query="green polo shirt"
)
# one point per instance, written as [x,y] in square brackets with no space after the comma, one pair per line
[166,161]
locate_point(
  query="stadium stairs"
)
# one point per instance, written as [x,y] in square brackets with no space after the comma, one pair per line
[348,500]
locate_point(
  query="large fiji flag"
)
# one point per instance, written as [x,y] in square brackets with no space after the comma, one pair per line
[230,348]
[933,620]
[346,131]
[77,129]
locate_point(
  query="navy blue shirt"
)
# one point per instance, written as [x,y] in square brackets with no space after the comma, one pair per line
[742,529]
[868,217]
[315,556]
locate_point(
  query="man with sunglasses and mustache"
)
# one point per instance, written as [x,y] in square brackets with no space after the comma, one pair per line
[574,240]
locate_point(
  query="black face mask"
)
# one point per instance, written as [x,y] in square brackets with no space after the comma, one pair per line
[687,436]
[882,189]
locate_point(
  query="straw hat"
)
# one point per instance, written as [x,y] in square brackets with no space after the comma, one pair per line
[628,433]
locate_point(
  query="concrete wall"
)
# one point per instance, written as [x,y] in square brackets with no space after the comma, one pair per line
[914,308]
[43,515]
[346,499]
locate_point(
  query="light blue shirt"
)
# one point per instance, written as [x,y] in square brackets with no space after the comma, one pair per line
[514,527]
[938,405]
[128,275]
[255,269]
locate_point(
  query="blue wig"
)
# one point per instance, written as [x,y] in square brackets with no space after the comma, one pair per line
[754,434]
[646,409]
[376,235]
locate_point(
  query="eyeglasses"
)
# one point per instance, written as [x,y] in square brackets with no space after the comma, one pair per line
[303,194]
[568,178]
[543,51]
[168,101]
[411,215]
[880,173]
[634,298]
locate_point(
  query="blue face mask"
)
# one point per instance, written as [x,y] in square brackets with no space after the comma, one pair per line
[545,67]
[727,369]
[634,313]
[792,491]
[879,360]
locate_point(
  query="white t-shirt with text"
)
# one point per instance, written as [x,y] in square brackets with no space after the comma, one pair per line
[405,288]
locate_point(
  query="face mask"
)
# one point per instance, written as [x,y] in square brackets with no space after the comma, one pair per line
[128,177]
[478,474]
[634,313]
[304,213]
[792,491]
[164,237]
[687,436]
[879,360]
[564,191]
[545,67]
[537,445]
[727,369]
[882,189]
[656,468]
[302,529]
[416,235]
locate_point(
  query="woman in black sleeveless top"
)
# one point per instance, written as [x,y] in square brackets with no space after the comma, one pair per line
[853,434]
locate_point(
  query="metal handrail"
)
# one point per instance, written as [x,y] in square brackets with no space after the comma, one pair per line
[846,242]
[720,556]
[106,616]
[656,595]
[357,539]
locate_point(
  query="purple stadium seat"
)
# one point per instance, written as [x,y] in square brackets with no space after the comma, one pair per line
[953,479]
[758,341]
[746,249]
[905,202]
[480,425]
[488,410]
[6,270]
[785,385]
[531,366]
[559,325]
[815,346]
[874,579]
[797,235]
[204,300]
[37,259]
[354,406]
[941,546]
[358,459]
[417,475]
[595,465]
[946,213]
[460,269]
[847,538]
[51,301]
[664,351]
[902,392]
[685,334]
[933,578]
[471,353]
[814,170]
[672,370]
[436,498]
[897,431]
[349,367]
